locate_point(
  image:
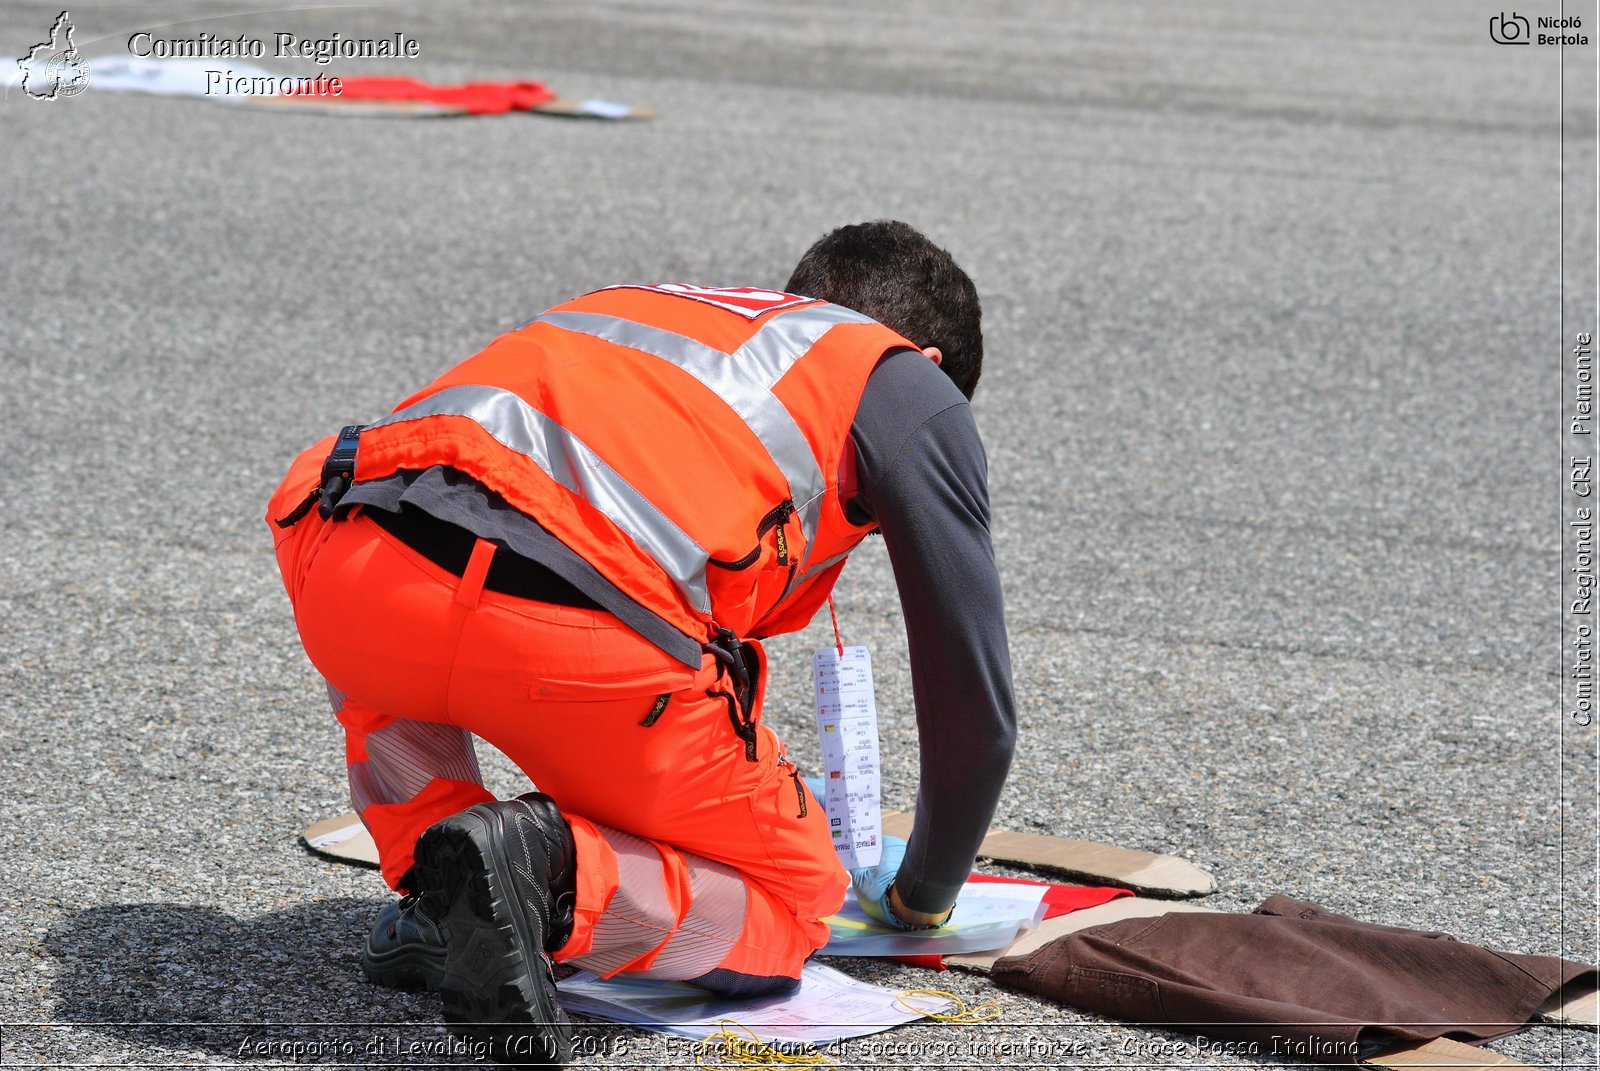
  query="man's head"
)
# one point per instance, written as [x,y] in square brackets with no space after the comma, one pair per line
[889,271]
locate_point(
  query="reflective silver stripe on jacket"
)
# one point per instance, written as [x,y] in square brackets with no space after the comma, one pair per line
[771,352]
[820,567]
[743,380]
[782,340]
[569,461]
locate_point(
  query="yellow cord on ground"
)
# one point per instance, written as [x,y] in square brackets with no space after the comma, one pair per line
[963,1013]
[733,1049]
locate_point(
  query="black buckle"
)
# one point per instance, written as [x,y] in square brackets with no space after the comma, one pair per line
[339,469]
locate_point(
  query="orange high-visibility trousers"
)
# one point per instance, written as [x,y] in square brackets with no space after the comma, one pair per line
[693,862]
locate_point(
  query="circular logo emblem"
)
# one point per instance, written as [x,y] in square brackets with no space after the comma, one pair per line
[68,72]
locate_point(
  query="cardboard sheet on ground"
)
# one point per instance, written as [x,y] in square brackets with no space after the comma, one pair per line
[1576,1005]
[1143,872]
[986,917]
[1444,1053]
[344,839]
[828,1007]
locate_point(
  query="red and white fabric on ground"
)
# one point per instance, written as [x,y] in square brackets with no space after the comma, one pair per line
[1058,900]
[474,98]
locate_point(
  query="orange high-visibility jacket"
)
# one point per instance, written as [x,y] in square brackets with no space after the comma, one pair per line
[685,441]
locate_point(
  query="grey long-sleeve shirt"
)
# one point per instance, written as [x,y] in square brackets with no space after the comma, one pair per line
[923,479]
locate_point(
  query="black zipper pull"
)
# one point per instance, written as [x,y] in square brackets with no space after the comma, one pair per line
[301,510]
[657,710]
[775,517]
[784,511]
[799,789]
[743,729]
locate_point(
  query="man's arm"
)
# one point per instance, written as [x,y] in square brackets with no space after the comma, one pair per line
[923,478]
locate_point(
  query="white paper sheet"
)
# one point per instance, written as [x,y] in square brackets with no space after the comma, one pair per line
[604,109]
[847,725]
[829,1006]
[988,915]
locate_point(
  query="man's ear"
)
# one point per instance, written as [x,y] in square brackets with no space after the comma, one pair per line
[934,354]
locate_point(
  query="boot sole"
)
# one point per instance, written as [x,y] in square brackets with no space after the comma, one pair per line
[498,984]
[410,969]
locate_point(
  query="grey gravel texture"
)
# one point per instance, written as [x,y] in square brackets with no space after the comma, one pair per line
[1274,300]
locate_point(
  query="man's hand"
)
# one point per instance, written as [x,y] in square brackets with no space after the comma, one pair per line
[875,888]
[919,920]
[878,897]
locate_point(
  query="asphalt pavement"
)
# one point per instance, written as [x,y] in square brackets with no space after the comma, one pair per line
[1275,303]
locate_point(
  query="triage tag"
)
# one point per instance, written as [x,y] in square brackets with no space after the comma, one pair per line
[847,724]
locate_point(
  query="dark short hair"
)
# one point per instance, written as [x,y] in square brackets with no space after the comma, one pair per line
[890,271]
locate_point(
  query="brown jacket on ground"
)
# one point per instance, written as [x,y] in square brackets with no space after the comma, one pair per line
[1292,980]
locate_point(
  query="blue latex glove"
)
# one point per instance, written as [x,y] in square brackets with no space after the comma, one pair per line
[872,885]
[819,791]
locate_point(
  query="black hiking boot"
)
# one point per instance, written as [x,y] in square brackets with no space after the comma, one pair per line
[498,878]
[405,949]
